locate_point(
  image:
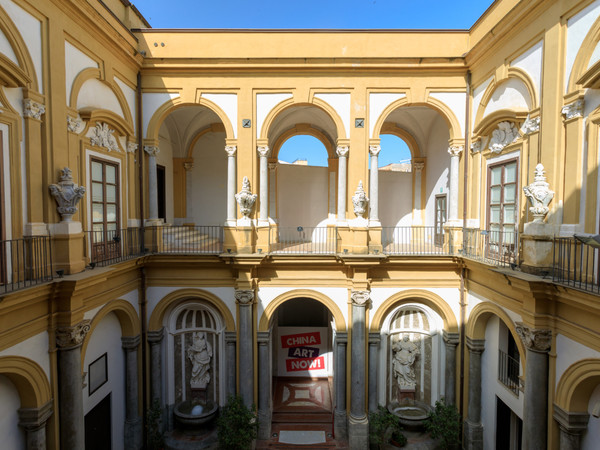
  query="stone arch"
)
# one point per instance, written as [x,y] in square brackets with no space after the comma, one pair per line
[29,379]
[447,114]
[577,384]
[12,75]
[411,142]
[158,314]
[290,103]
[127,316]
[171,105]
[477,321]
[213,127]
[265,319]
[580,65]
[303,129]
[430,299]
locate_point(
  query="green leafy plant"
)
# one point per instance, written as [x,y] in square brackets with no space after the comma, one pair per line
[237,426]
[383,427]
[153,425]
[444,423]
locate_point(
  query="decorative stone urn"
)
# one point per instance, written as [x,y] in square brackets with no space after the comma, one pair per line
[245,199]
[539,195]
[67,194]
[360,201]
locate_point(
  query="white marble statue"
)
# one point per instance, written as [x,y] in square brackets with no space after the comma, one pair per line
[200,354]
[405,353]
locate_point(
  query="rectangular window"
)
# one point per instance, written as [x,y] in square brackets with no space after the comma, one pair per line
[502,212]
[440,218]
[105,209]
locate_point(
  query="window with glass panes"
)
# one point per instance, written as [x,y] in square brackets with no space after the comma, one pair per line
[502,201]
[105,200]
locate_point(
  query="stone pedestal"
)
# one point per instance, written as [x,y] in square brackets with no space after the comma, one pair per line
[537,248]
[68,242]
[262,238]
[153,238]
[374,239]
[244,238]
[454,237]
[33,421]
[360,237]
[571,426]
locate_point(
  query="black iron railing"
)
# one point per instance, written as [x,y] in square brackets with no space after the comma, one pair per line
[187,239]
[499,248]
[508,371]
[303,240]
[110,247]
[413,241]
[25,262]
[576,264]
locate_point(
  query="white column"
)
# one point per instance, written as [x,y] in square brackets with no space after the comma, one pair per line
[231,170]
[152,151]
[342,152]
[455,152]
[374,184]
[263,152]
[272,190]
[418,170]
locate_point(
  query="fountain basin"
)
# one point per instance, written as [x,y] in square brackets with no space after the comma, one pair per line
[189,421]
[412,416]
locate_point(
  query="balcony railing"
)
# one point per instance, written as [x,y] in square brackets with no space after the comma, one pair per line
[111,247]
[576,264]
[25,262]
[508,371]
[413,241]
[303,240]
[188,239]
[499,248]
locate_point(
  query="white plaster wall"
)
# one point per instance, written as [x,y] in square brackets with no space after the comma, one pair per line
[35,348]
[531,62]
[228,103]
[341,103]
[7,49]
[395,198]
[437,168]
[151,102]
[30,29]
[511,94]
[13,437]
[302,196]
[568,352]
[96,94]
[207,199]
[591,437]
[129,95]
[165,158]
[456,101]
[75,62]
[264,104]
[474,299]
[106,338]
[477,96]
[578,27]
[378,101]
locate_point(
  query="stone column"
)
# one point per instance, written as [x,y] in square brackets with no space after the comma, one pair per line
[535,401]
[455,152]
[152,151]
[263,152]
[264,385]
[358,427]
[451,341]
[231,172]
[342,152]
[70,387]
[155,339]
[417,167]
[246,363]
[374,339]
[33,421]
[340,423]
[272,190]
[230,338]
[571,426]
[133,422]
[374,184]
[473,431]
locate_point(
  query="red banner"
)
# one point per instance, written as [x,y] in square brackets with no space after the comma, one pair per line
[301,340]
[301,364]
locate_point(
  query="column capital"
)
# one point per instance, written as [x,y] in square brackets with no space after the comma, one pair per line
[455,150]
[130,342]
[418,166]
[360,298]
[72,337]
[33,418]
[531,126]
[374,149]
[33,109]
[231,150]
[571,422]
[230,337]
[341,337]
[263,150]
[152,150]
[573,110]
[272,166]
[131,147]
[451,338]
[263,337]
[374,338]
[537,340]
[244,296]
[475,345]
[155,336]
[188,165]
[342,150]
[75,124]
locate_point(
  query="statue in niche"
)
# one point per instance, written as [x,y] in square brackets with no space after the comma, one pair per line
[405,353]
[200,353]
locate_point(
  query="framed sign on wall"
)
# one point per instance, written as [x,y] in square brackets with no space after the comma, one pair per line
[97,373]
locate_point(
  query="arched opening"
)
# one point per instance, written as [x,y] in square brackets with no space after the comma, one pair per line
[13,436]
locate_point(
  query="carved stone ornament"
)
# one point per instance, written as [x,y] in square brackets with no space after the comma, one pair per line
[152,150]
[132,147]
[245,198]
[33,109]
[71,337]
[573,110]
[67,194]
[455,150]
[75,124]
[374,149]
[539,195]
[263,150]
[342,150]
[244,296]
[230,150]
[476,146]
[504,135]
[531,126]
[102,136]
[418,166]
[360,298]
[188,166]
[360,200]
[536,340]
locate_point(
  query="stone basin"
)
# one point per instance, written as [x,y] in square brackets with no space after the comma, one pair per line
[412,416]
[189,421]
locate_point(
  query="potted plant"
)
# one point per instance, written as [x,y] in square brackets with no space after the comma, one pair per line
[237,426]
[444,423]
[384,428]
[153,426]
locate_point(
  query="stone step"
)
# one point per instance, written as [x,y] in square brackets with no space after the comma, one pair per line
[302,417]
